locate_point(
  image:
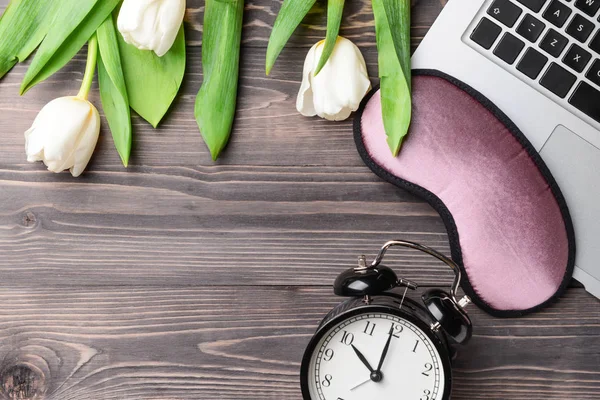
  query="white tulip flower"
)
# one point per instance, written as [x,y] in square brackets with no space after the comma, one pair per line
[339,87]
[151,24]
[64,135]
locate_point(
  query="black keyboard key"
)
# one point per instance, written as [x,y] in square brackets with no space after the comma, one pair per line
[593,73]
[486,33]
[553,43]
[505,12]
[533,5]
[531,28]
[580,28]
[532,63]
[557,13]
[577,58]
[587,100]
[558,80]
[509,48]
[595,43]
[590,7]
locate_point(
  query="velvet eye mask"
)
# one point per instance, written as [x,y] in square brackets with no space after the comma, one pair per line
[508,223]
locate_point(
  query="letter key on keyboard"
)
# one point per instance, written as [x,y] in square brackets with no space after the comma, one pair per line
[590,7]
[553,43]
[557,13]
[580,28]
[577,58]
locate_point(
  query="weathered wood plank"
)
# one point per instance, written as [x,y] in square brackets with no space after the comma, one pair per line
[262,225]
[246,343]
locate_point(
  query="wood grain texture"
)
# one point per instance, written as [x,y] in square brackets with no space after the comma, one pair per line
[179,278]
[246,343]
[290,193]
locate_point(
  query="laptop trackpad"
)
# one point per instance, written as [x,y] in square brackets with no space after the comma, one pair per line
[575,164]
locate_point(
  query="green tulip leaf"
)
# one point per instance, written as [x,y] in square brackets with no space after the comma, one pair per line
[290,15]
[398,17]
[395,90]
[152,81]
[335,8]
[216,100]
[75,22]
[113,92]
[22,28]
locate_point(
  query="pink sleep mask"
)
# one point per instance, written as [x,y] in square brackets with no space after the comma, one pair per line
[507,221]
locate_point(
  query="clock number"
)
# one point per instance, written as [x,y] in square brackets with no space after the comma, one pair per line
[329,354]
[426,393]
[396,330]
[370,328]
[415,348]
[327,381]
[347,338]
[428,368]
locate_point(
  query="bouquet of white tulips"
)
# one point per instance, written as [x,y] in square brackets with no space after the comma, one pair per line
[138,47]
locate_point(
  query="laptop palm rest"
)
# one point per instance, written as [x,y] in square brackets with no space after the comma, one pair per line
[577,173]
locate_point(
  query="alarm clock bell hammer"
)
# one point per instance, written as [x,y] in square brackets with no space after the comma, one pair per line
[374,279]
[413,340]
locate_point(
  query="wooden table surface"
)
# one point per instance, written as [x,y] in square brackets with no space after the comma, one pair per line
[180,278]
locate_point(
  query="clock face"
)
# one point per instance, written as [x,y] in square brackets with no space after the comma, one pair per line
[376,356]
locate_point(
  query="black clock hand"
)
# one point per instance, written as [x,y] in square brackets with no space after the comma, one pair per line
[385,349]
[363,359]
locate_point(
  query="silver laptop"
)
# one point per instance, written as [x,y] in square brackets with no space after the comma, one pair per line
[539,62]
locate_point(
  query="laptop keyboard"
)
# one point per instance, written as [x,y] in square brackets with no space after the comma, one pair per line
[552,44]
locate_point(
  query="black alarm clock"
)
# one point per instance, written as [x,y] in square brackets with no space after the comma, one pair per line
[383,345]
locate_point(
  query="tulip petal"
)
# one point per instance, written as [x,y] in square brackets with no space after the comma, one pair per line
[64,134]
[59,123]
[34,146]
[151,24]
[342,83]
[86,143]
[304,101]
[173,16]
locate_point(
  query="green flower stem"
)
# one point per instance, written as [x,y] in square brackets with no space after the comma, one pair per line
[90,68]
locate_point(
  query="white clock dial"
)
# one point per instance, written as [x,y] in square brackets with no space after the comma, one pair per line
[344,365]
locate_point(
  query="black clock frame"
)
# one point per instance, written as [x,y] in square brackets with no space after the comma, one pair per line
[384,303]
